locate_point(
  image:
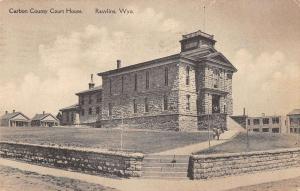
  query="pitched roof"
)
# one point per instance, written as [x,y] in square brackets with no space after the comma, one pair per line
[97,88]
[39,117]
[218,56]
[294,112]
[203,53]
[12,115]
[130,67]
[72,107]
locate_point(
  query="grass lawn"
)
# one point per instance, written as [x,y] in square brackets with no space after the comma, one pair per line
[257,142]
[140,141]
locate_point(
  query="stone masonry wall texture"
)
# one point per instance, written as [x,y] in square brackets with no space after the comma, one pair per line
[81,160]
[217,165]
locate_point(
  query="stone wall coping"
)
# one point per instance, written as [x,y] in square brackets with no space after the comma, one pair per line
[227,155]
[82,149]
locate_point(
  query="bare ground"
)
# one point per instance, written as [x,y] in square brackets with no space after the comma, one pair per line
[283,185]
[12,179]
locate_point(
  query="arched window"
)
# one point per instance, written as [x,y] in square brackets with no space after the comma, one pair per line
[146,105]
[134,106]
[187,75]
[166,76]
[147,79]
[188,105]
[165,102]
[135,82]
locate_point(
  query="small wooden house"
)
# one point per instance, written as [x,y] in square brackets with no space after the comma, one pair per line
[44,120]
[14,119]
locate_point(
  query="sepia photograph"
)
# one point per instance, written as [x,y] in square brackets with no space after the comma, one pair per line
[140,95]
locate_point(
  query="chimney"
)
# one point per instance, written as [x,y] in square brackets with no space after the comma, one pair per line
[91,84]
[43,112]
[14,111]
[6,112]
[118,64]
[244,111]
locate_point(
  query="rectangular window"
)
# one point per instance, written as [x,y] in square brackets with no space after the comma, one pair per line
[146,105]
[248,121]
[135,82]
[147,80]
[265,130]
[109,109]
[275,130]
[256,122]
[166,76]
[187,80]
[72,117]
[275,120]
[265,121]
[134,106]
[90,111]
[255,130]
[82,100]
[67,114]
[165,102]
[82,112]
[97,110]
[99,98]
[188,102]
[90,99]
[122,84]
[229,76]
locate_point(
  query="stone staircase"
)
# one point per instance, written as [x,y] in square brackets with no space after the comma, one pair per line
[165,166]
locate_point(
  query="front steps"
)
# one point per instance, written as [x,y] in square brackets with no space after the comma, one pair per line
[165,166]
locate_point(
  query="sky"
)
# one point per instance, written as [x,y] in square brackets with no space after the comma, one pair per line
[46,58]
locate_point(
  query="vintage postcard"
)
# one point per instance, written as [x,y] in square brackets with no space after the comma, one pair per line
[138,95]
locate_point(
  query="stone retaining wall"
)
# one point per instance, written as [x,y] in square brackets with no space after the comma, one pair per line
[92,161]
[215,165]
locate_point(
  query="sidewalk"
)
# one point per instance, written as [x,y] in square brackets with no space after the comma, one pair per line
[216,184]
[234,129]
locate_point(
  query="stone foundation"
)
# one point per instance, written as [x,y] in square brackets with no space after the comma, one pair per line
[216,165]
[81,160]
[161,122]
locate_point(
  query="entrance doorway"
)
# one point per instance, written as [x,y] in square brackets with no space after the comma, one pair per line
[215,104]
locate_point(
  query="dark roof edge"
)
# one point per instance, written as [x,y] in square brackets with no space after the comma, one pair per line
[174,56]
[89,90]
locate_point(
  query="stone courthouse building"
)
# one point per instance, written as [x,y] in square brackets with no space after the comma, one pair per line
[179,92]
[184,91]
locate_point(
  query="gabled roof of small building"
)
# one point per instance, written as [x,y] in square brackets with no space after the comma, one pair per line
[39,117]
[12,115]
[96,88]
[294,112]
[72,107]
